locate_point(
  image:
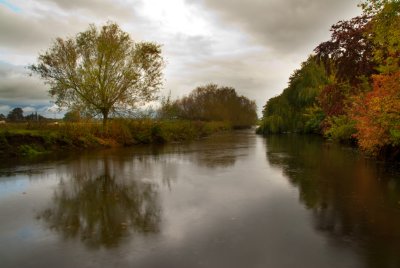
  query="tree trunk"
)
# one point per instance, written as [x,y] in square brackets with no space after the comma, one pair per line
[105,119]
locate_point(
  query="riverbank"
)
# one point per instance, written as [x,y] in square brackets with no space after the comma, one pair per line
[31,139]
[388,153]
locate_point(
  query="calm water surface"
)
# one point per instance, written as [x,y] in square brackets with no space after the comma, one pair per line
[233,200]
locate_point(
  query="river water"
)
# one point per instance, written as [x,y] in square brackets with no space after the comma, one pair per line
[231,200]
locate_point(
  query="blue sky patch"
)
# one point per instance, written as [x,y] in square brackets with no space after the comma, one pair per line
[10,6]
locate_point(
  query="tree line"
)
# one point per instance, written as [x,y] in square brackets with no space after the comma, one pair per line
[211,103]
[349,88]
[17,115]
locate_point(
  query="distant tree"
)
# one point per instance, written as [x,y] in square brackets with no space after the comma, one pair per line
[168,109]
[213,103]
[72,116]
[35,117]
[32,117]
[102,70]
[2,117]
[15,115]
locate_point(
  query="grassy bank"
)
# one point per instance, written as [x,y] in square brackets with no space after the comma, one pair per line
[30,139]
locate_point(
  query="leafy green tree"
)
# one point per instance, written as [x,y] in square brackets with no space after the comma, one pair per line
[16,115]
[102,70]
[72,116]
[386,37]
[290,111]
[314,119]
[341,128]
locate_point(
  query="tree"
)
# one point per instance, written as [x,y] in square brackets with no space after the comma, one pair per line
[213,103]
[377,114]
[31,117]
[295,110]
[386,36]
[372,7]
[168,109]
[72,116]
[332,98]
[35,117]
[2,117]
[103,71]
[350,50]
[15,115]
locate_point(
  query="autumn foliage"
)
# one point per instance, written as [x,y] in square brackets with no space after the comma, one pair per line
[378,114]
[358,97]
[350,49]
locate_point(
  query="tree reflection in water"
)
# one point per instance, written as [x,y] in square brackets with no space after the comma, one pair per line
[354,200]
[219,151]
[101,209]
[103,199]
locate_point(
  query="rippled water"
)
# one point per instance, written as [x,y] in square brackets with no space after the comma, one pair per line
[232,200]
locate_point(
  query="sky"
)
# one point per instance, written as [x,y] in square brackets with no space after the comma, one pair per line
[253,45]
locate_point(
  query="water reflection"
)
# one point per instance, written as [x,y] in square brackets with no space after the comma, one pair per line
[354,200]
[221,151]
[105,197]
[97,203]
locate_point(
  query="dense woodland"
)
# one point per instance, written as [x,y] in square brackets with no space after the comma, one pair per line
[349,88]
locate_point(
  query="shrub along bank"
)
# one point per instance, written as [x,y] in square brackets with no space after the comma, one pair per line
[33,139]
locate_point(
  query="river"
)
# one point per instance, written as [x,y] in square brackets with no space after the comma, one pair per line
[230,200]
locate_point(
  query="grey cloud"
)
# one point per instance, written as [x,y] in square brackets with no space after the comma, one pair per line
[103,8]
[283,25]
[181,46]
[196,60]
[28,34]
[17,86]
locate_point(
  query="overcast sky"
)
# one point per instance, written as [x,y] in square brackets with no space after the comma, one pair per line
[251,45]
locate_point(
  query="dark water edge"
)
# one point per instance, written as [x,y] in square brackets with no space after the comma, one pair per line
[231,200]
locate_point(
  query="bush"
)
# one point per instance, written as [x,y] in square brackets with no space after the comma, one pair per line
[342,128]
